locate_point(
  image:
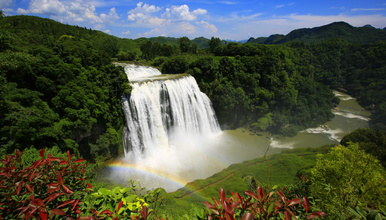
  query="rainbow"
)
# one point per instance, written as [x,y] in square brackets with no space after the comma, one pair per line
[120,165]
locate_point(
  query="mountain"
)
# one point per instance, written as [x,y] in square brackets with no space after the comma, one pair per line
[366,34]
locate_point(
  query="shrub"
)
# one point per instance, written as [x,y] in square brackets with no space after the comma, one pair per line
[348,177]
[47,188]
[262,205]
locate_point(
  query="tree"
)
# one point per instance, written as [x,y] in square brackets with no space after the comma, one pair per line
[347,177]
[184,44]
[214,43]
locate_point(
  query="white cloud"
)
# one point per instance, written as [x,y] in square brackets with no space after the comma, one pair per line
[142,12]
[51,7]
[281,6]
[182,13]
[5,3]
[126,32]
[210,28]
[228,2]
[368,9]
[111,16]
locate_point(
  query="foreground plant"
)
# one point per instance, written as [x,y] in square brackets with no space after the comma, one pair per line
[262,205]
[47,188]
[57,188]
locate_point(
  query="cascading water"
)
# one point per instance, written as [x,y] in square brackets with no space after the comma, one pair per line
[169,125]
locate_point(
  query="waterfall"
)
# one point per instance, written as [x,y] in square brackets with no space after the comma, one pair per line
[161,107]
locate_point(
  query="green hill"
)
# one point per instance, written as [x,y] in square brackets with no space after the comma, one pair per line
[366,34]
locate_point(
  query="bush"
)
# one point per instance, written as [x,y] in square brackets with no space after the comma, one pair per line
[348,177]
[260,205]
[47,188]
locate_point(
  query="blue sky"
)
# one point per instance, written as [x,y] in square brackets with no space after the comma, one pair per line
[226,19]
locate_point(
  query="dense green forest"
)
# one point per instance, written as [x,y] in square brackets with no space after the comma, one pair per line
[59,88]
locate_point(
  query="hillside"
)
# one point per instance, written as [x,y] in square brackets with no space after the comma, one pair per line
[366,34]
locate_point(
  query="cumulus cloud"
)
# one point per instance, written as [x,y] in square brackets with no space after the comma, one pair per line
[111,16]
[50,7]
[142,12]
[183,13]
[79,12]
[210,28]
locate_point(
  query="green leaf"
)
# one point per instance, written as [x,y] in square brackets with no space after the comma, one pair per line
[104,192]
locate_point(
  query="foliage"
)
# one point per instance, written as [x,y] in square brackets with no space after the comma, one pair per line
[371,141]
[347,177]
[58,87]
[263,205]
[121,203]
[333,30]
[42,186]
[368,213]
[47,188]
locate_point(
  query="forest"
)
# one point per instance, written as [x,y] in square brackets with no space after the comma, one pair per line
[61,99]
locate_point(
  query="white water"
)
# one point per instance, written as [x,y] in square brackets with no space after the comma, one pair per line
[170,128]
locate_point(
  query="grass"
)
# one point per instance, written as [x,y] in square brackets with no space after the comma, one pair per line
[283,168]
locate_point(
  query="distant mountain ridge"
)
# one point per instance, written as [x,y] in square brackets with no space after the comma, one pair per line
[343,30]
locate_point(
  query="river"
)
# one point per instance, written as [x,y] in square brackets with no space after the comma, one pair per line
[349,116]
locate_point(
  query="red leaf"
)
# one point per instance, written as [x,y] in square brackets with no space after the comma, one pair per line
[64,162]
[66,203]
[287,216]
[53,196]
[60,180]
[18,188]
[119,206]
[31,176]
[67,190]
[294,201]
[222,195]
[260,190]
[29,188]
[41,154]
[54,159]
[316,215]
[79,160]
[107,212]
[306,203]
[280,193]
[68,153]
[247,216]
[57,212]
[43,215]
[37,202]
[75,203]
[88,186]
[251,194]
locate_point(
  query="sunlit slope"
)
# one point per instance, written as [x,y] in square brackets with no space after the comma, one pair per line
[282,171]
